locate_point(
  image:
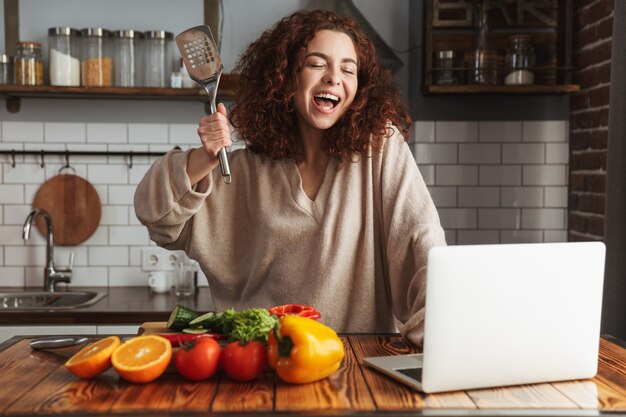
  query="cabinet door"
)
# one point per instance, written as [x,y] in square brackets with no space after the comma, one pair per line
[7,332]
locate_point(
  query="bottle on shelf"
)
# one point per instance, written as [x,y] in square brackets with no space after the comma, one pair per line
[96,60]
[6,69]
[159,58]
[126,53]
[485,65]
[28,64]
[520,61]
[63,50]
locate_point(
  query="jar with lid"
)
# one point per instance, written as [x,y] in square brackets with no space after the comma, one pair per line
[159,58]
[6,69]
[447,68]
[96,60]
[520,61]
[126,47]
[63,47]
[28,64]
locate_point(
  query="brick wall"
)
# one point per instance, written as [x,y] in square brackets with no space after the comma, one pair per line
[593,27]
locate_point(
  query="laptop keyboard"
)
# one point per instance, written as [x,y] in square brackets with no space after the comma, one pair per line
[413,373]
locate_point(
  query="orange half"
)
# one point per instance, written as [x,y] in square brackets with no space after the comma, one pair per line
[94,358]
[142,359]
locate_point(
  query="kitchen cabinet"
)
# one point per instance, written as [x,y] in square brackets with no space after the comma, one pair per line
[13,94]
[451,26]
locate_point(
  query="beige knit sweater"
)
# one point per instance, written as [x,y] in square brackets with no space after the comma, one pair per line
[357,252]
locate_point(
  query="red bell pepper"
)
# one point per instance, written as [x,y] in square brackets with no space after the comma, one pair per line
[300,310]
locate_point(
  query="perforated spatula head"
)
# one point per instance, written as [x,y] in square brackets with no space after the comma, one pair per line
[200,55]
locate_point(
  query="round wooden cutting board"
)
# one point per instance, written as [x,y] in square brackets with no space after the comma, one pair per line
[74,206]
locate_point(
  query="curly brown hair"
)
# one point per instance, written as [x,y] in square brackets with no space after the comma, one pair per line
[264,115]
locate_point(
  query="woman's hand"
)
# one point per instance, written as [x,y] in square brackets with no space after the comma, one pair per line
[214,133]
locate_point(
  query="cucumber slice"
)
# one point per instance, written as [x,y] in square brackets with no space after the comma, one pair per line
[180,317]
[195,330]
[203,320]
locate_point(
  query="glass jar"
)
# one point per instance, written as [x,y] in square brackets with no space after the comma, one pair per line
[96,61]
[447,67]
[28,64]
[159,58]
[126,44]
[6,69]
[520,61]
[63,56]
[485,67]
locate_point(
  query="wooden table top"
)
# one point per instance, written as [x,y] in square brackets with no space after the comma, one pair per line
[36,382]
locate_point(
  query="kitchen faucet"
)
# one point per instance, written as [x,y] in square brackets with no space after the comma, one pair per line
[51,274]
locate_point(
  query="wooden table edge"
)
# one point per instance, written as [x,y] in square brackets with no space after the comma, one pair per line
[452,412]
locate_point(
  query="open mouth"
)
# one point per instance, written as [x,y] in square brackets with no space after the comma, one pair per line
[326,101]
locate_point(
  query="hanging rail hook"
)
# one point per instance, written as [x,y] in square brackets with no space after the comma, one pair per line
[13,158]
[43,163]
[67,165]
[130,162]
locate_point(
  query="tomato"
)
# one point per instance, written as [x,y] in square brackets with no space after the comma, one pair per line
[244,362]
[296,310]
[199,359]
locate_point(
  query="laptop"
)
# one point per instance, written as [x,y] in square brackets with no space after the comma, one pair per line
[508,314]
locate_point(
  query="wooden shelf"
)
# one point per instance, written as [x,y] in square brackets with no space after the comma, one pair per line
[503,89]
[452,26]
[14,93]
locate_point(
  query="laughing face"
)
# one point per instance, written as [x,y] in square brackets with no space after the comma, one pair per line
[327,80]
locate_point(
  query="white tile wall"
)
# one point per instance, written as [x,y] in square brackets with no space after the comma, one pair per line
[500,131]
[112,255]
[491,181]
[508,183]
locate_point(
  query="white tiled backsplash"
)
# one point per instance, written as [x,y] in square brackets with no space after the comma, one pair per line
[491,181]
[496,182]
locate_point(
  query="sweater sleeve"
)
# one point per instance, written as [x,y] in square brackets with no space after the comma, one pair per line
[165,200]
[411,226]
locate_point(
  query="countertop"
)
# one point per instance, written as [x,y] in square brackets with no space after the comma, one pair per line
[39,384]
[122,305]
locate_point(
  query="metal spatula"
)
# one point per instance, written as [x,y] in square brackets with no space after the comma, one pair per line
[204,65]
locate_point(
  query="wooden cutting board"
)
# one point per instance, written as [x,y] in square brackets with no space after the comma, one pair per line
[154,327]
[74,205]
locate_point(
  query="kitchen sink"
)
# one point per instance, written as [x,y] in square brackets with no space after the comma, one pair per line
[42,300]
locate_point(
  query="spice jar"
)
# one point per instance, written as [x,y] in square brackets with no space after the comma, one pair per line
[28,64]
[96,61]
[159,58]
[520,60]
[6,69]
[64,56]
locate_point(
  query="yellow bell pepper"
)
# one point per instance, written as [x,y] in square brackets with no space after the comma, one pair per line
[303,350]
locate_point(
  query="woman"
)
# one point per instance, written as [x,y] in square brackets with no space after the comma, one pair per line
[326,205]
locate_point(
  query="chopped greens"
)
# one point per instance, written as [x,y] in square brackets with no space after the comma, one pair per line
[243,326]
[251,324]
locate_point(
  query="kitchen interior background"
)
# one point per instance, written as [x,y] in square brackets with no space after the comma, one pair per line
[496,175]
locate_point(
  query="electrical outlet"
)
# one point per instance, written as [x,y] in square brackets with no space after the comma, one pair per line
[158,259]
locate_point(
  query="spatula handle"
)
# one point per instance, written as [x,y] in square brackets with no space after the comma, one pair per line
[211,89]
[224,166]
